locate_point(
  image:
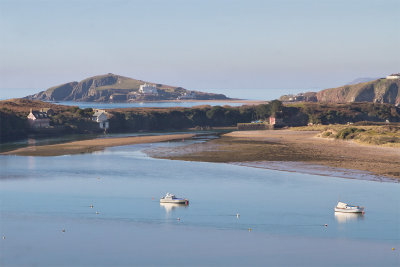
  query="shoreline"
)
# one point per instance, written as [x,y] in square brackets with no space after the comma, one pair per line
[314,169]
[91,145]
[233,100]
[292,147]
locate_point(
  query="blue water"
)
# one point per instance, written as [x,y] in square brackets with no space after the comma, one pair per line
[286,212]
[145,104]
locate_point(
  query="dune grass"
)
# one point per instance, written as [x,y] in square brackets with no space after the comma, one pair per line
[382,135]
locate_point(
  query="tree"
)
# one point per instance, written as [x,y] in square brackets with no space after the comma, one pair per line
[275,106]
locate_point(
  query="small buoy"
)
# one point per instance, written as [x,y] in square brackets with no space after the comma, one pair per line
[97,212]
[392,248]
[237,215]
[249,229]
[326,225]
[63,230]
[4,237]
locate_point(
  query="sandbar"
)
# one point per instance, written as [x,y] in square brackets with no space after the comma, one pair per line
[87,146]
[290,146]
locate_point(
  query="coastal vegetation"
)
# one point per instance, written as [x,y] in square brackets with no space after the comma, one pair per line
[379,134]
[71,119]
[330,113]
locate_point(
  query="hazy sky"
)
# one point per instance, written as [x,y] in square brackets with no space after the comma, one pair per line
[206,45]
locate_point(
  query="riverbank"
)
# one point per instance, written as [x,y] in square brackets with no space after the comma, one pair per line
[289,146]
[87,146]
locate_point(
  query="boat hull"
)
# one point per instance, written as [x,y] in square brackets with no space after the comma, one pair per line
[357,210]
[175,201]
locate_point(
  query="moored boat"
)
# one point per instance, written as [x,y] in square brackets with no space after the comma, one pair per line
[346,208]
[171,198]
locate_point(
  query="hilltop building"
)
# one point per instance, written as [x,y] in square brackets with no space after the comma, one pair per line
[148,89]
[38,119]
[100,116]
[394,76]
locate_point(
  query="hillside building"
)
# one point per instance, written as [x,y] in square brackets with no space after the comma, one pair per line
[148,89]
[100,116]
[38,119]
[394,76]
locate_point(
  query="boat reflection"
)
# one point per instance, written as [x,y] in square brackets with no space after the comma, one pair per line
[172,206]
[348,217]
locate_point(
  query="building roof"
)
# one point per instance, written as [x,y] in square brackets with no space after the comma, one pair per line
[98,112]
[39,115]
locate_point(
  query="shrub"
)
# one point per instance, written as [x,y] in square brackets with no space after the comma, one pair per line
[348,133]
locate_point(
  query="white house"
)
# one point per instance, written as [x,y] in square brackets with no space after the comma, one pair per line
[394,76]
[100,116]
[148,89]
[37,119]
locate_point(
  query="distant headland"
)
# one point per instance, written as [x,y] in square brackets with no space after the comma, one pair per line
[382,90]
[116,88]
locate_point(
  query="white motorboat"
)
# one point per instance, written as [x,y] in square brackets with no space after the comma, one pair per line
[344,207]
[171,198]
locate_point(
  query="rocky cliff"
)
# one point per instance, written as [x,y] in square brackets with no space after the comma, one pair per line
[116,88]
[377,91]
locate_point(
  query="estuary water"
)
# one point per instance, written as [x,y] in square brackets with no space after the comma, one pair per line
[181,104]
[102,209]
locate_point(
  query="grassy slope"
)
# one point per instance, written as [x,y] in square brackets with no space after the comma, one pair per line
[123,83]
[23,106]
[383,135]
[350,93]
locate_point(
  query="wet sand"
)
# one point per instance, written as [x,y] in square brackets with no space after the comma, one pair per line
[290,146]
[87,146]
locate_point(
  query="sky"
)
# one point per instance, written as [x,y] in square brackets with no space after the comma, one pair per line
[258,49]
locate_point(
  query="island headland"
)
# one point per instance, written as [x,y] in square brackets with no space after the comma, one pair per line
[116,88]
[382,90]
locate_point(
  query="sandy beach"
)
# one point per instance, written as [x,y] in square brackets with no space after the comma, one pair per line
[290,146]
[87,146]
